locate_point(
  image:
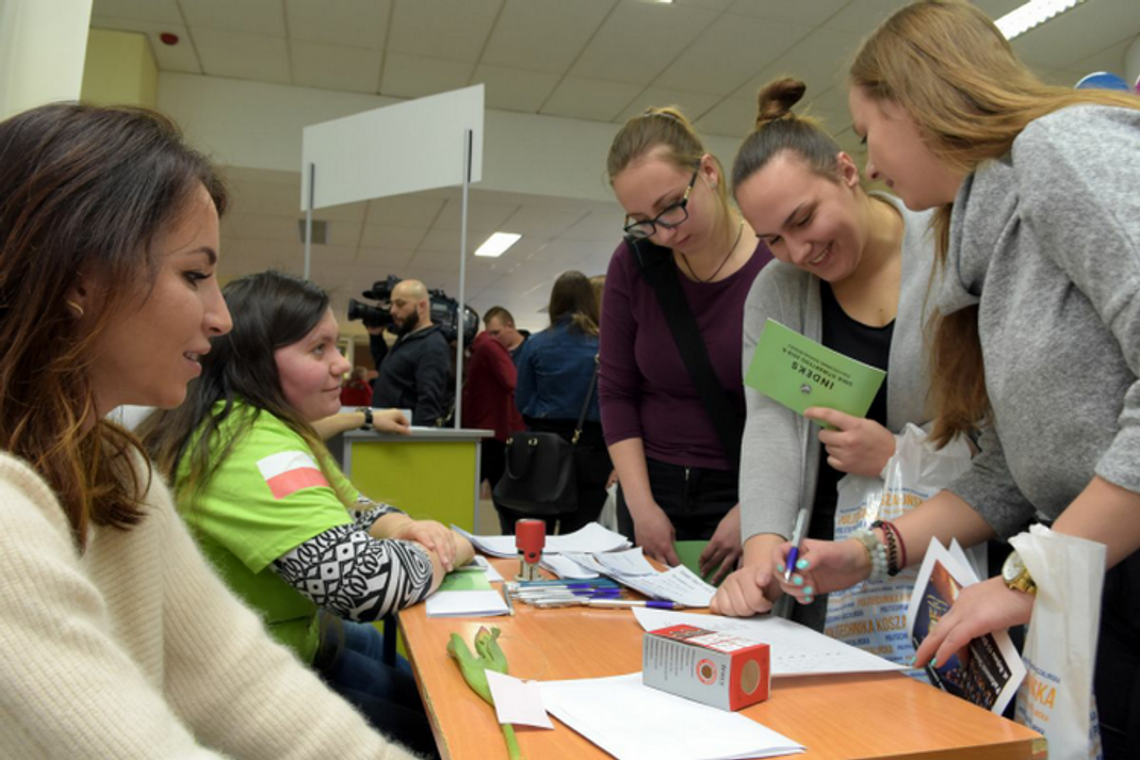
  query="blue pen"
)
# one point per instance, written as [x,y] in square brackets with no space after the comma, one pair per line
[797,539]
[599,583]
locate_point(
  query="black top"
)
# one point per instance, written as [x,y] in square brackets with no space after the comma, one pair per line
[870,345]
[415,375]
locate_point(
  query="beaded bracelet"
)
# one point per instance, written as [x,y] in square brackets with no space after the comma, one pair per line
[902,544]
[876,552]
[891,544]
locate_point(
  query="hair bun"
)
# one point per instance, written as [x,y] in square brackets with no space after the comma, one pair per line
[775,99]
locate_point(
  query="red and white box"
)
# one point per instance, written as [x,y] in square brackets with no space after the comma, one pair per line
[717,669]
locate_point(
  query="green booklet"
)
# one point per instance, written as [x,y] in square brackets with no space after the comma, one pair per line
[799,373]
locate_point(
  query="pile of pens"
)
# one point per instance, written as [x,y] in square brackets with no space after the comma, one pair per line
[599,592]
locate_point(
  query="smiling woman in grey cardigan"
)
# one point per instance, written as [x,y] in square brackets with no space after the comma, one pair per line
[852,272]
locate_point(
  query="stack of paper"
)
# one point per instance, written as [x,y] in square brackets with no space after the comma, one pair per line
[634,722]
[466,604]
[796,650]
[592,538]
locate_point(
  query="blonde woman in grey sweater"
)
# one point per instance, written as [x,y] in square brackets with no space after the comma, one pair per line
[116,639]
[1037,338]
[852,272]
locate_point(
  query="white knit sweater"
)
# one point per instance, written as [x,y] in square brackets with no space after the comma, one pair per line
[136,649]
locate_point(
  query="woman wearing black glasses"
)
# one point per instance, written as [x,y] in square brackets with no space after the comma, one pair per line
[670,388]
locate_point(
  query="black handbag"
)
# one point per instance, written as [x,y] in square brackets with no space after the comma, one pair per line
[541,477]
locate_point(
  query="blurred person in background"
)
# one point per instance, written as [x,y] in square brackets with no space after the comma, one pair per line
[556,372]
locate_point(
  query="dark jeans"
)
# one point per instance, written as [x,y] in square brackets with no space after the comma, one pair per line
[350,662]
[593,466]
[1117,679]
[694,498]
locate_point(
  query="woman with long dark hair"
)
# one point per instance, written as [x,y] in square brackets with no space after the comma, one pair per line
[556,372]
[273,512]
[118,641]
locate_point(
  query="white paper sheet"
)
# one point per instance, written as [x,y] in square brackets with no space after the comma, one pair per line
[677,584]
[492,574]
[634,722]
[466,604]
[591,538]
[517,702]
[566,568]
[796,650]
[626,563]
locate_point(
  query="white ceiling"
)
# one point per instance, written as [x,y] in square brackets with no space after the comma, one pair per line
[599,60]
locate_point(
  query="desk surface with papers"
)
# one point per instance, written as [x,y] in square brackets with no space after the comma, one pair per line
[873,715]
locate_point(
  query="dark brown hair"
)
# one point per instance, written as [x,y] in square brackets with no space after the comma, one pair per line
[84,192]
[779,130]
[270,310]
[573,296]
[504,316]
[954,73]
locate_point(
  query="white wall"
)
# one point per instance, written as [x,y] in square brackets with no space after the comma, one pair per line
[258,125]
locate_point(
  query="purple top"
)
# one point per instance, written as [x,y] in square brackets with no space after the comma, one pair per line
[643,387]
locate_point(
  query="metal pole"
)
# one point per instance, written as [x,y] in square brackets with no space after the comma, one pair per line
[309,220]
[468,136]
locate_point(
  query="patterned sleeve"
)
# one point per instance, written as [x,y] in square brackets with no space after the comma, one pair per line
[355,576]
[367,512]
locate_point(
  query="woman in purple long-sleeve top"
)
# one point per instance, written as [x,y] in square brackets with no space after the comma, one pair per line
[677,480]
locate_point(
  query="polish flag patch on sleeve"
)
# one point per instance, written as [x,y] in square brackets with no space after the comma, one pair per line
[287,472]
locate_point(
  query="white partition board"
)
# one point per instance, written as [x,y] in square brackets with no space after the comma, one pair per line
[404,148]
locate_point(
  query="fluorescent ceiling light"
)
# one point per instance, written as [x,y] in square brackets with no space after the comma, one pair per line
[497,244]
[1034,13]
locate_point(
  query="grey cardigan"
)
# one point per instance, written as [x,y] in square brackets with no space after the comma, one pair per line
[1047,242]
[781,451]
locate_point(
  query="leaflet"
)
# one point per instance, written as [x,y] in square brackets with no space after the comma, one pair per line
[799,373]
[988,670]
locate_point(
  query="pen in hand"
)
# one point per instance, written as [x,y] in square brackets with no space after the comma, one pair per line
[797,539]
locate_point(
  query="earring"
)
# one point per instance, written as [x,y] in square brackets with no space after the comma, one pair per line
[76,308]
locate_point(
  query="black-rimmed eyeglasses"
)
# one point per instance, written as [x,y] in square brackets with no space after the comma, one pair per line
[671,217]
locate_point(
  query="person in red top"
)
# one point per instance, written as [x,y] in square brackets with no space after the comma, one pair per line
[357,391]
[489,404]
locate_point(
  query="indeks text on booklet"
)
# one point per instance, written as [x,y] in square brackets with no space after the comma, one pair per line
[799,373]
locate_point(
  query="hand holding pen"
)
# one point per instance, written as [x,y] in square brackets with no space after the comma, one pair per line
[819,567]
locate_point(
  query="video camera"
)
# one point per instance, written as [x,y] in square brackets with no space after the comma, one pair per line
[444,310]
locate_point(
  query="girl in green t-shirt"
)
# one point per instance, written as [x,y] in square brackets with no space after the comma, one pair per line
[279,520]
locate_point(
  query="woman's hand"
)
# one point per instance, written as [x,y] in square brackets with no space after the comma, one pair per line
[979,609]
[390,421]
[433,536]
[858,446]
[822,567]
[654,533]
[723,550]
[749,591]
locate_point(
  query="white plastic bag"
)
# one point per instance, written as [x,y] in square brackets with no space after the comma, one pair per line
[1056,698]
[608,515]
[872,616]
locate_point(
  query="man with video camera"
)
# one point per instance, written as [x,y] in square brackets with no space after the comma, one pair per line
[414,375]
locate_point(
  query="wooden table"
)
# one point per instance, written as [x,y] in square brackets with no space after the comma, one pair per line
[884,715]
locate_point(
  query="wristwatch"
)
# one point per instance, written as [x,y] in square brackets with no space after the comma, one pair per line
[367,412]
[1016,575]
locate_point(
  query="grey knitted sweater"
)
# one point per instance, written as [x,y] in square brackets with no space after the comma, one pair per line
[1047,242]
[781,451]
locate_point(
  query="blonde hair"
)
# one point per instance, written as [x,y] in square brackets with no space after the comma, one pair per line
[779,129]
[956,76]
[665,129]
